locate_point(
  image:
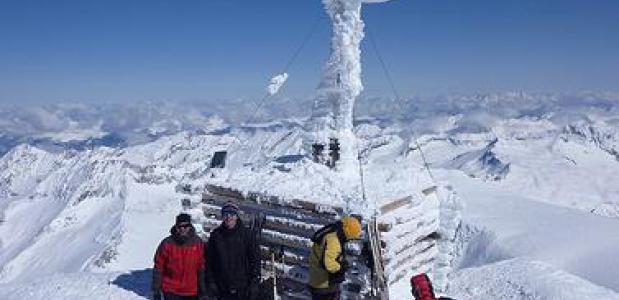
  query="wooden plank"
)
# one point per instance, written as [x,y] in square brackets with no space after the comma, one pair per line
[281,224]
[422,237]
[393,205]
[384,227]
[399,258]
[288,229]
[429,190]
[421,266]
[295,203]
[289,241]
[260,198]
[289,257]
[420,229]
[215,189]
[249,207]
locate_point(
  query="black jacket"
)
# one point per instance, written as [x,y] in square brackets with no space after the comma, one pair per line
[233,263]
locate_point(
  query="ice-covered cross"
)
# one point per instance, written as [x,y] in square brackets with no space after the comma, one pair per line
[332,114]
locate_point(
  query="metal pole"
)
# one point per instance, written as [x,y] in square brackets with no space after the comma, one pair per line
[275,296]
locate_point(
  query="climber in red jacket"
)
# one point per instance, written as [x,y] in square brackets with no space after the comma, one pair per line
[179,263]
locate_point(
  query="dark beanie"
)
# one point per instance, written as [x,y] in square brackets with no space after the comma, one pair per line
[183,218]
[230,208]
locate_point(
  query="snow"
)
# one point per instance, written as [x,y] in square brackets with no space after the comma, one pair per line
[76,286]
[71,211]
[118,204]
[524,195]
[146,204]
[292,176]
[553,164]
[514,247]
[524,279]
[276,83]
[526,228]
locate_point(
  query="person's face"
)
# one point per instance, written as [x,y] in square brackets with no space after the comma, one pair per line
[230,220]
[183,228]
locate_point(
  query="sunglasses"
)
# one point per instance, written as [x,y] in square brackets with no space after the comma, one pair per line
[228,215]
[185,225]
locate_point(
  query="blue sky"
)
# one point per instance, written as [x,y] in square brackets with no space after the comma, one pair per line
[58,51]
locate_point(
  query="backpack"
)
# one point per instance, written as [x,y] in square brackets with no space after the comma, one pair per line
[337,227]
[421,287]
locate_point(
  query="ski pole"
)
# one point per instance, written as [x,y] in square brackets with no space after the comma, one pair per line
[275,296]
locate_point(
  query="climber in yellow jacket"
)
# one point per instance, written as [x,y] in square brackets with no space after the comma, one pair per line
[327,261]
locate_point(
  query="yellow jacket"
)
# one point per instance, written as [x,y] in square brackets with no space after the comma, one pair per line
[319,273]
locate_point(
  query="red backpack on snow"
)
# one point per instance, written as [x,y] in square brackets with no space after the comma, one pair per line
[421,287]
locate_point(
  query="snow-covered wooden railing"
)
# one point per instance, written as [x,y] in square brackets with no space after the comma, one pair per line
[407,232]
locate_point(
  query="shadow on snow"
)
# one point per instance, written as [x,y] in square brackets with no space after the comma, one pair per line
[137,281]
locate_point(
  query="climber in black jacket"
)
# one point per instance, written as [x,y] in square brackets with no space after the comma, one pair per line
[233,267]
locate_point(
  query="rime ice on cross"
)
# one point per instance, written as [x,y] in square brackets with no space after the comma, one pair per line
[331,123]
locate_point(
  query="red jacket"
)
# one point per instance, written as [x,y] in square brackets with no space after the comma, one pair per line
[179,267]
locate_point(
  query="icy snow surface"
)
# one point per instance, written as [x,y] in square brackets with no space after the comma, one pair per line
[513,225]
[545,230]
[76,286]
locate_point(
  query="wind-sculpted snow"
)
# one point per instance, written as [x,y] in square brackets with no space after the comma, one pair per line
[522,279]
[501,224]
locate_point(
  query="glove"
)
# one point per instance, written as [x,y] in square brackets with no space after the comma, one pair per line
[156,295]
[336,278]
[339,276]
[344,266]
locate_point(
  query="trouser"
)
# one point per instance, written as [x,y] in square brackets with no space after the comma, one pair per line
[241,296]
[170,296]
[318,294]
[232,298]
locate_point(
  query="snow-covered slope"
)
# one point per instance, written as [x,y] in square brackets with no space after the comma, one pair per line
[501,224]
[538,184]
[556,166]
[73,211]
[89,210]
[81,285]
